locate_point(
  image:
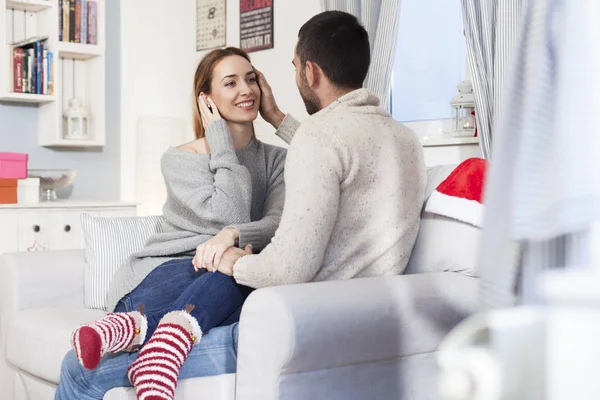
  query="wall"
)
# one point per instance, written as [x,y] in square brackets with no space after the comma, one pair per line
[159,59]
[97,169]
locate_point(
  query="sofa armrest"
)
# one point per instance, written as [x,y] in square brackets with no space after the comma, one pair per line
[41,279]
[333,332]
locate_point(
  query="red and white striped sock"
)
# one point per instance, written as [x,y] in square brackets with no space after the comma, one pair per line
[115,332]
[154,372]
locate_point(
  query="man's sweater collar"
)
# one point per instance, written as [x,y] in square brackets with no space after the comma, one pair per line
[357,98]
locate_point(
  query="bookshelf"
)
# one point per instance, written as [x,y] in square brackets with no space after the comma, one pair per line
[78,69]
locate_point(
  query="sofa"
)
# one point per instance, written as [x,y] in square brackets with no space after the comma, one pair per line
[371,338]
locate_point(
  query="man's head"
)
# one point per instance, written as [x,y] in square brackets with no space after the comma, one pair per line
[332,58]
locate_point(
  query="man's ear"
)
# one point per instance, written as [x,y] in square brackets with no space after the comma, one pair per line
[313,74]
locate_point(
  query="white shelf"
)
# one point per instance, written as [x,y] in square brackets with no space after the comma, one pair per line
[70,204]
[27,98]
[79,51]
[73,143]
[447,140]
[28,5]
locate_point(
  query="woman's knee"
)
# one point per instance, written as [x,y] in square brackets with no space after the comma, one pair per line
[70,367]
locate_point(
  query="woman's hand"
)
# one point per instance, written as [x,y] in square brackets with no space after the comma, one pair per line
[268,107]
[208,110]
[208,254]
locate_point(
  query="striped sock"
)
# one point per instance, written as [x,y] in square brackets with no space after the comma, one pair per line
[154,372]
[115,332]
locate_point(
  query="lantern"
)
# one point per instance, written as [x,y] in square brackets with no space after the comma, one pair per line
[75,120]
[463,105]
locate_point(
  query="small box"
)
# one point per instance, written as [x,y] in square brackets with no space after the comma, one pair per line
[13,165]
[8,191]
[28,191]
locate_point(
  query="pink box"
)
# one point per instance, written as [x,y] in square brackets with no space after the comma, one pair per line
[13,165]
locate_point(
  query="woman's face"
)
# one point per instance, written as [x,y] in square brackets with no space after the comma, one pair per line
[235,90]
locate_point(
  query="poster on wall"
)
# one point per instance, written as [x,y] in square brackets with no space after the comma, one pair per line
[256,25]
[210,24]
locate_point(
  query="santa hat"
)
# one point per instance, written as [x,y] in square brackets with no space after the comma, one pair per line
[459,196]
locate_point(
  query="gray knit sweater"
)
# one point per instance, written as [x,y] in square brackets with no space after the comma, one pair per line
[205,193]
[355,182]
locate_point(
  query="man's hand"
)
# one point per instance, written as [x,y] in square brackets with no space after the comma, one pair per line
[230,257]
[268,107]
[208,254]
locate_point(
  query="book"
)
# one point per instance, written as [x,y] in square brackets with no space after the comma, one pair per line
[84,23]
[44,72]
[18,70]
[50,73]
[92,16]
[77,21]
[71,20]
[65,20]
[60,20]
[25,71]
[39,71]
[30,74]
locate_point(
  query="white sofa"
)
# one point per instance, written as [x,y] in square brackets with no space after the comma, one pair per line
[372,338]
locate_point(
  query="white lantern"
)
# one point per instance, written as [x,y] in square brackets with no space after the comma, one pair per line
[463,105]
[75,120]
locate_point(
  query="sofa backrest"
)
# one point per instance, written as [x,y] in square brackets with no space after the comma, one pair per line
[443,244]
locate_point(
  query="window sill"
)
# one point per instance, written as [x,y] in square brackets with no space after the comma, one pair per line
[447,140]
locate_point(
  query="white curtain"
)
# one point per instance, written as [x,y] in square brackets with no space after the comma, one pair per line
[543,187]
[380,19]
[490,30]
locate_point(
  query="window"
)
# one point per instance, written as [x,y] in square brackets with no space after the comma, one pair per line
[430,60]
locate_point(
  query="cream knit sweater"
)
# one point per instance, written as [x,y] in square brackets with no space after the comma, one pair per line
[355,180]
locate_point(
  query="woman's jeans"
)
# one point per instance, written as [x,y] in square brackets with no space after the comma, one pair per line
[174,284]
[218,300]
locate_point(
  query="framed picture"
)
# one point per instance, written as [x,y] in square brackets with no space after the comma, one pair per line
[256,25]
[211,24]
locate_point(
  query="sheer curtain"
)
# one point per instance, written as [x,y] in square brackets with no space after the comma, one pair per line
[543,186]
[380,19]
[491,29]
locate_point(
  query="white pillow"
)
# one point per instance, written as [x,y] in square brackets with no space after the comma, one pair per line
[108,243]
[443,244]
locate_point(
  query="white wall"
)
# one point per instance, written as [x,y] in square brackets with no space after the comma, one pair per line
[158,60]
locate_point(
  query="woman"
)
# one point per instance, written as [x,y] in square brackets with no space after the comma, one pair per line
[224,189]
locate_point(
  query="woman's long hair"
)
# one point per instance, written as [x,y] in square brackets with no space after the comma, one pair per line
[203,77]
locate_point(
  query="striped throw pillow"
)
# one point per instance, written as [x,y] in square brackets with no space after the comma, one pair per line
[108,243]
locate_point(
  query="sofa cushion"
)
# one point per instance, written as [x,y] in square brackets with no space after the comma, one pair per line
[443,244]
[221,387]
[109,241]
[38,339]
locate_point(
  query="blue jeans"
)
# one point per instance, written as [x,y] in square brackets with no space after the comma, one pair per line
[172,285]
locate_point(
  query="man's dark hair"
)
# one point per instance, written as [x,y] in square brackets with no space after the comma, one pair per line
[337,43]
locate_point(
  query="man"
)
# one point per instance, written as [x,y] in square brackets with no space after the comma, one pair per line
[354,189]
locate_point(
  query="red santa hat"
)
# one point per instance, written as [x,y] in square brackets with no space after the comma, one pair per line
[459,196]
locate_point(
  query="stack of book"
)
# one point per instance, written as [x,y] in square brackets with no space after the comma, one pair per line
[33,67]
[77,21]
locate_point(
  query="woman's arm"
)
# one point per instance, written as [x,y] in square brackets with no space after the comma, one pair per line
[259,233]
[214,188]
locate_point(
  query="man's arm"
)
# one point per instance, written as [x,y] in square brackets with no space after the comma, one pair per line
[313,175]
